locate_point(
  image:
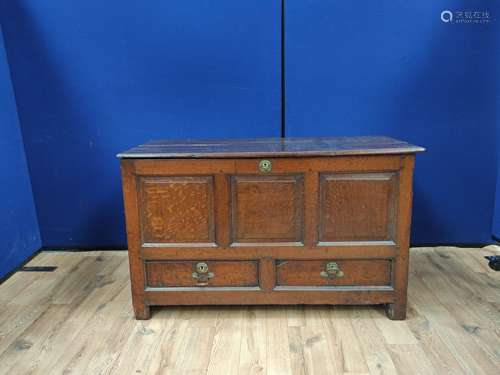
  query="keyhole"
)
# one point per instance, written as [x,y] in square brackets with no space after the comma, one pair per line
[265,166]
[202,267]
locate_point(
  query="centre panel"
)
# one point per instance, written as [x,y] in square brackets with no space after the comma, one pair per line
[267,210]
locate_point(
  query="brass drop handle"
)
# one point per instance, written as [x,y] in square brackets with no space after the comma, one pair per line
[202,274]
[265,166]
[331,271]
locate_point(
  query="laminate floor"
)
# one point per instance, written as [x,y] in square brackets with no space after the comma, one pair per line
[78,320]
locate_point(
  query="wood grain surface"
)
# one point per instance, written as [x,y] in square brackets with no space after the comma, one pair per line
[177,210]
[358,207]
[267,208]
[355,272]
[225,273]
[261,147]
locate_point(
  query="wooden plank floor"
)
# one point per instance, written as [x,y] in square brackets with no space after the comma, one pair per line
[79,320]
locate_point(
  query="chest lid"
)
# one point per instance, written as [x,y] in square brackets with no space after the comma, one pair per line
[270,147]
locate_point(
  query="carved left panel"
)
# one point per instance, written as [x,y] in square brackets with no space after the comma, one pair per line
[177,211]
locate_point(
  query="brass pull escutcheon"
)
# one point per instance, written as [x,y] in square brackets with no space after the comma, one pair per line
[202,275]
[265,166]
[331,271]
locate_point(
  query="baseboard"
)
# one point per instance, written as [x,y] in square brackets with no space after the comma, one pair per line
[121,247]
[83,248]
[21,265]
[458,244]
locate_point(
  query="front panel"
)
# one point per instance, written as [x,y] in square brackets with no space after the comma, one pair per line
[267,209]
[357,207]
[177,211]
[303,203]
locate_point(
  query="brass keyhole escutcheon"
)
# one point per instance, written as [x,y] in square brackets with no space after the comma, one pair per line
[265,166]
[332,270]
[202,274]
[202,267]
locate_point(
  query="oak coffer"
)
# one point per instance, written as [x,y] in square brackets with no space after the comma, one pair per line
[269,221]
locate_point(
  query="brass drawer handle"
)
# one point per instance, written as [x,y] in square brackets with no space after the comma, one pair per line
[202,274]
[331,270]
[265,166]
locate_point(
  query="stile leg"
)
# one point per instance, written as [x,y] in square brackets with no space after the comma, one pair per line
[396,311]
[141,310]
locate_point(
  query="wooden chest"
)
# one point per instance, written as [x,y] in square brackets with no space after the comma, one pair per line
[269,221]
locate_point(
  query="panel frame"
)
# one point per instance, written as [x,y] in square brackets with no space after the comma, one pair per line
[310,168]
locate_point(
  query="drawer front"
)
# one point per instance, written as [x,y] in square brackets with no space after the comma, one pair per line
[331,272]
[201,273]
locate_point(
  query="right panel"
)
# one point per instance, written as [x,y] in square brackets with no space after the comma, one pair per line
[357,207]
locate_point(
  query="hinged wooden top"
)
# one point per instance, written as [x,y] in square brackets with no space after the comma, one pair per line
[270,147]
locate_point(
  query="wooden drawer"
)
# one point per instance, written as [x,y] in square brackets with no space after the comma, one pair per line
[329,272]
[201,273]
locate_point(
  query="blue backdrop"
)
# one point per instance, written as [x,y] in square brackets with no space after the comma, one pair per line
[394,67]
[19,235]
[93,78]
